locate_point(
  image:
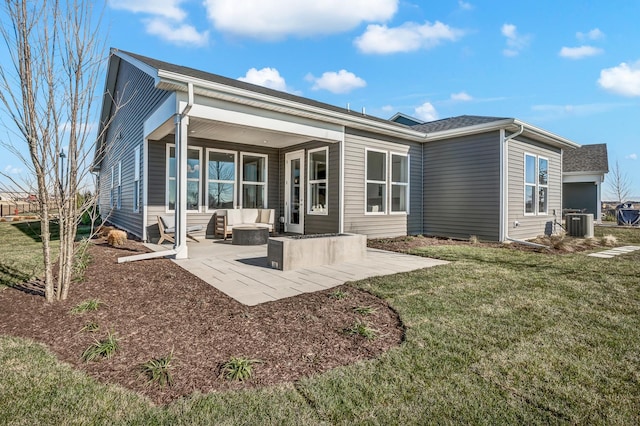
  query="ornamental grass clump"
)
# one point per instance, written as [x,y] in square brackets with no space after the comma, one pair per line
[238,368]
[116,238]
[158,370]
[99,349]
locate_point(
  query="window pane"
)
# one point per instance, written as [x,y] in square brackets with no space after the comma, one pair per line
[221,195]
[542,200]
[193,195]
[318,197]
[193,164]
[221,166]
[543,171]
[376,168]
[172,194]
[376,197]
[399,168]
[528,199]
[254,169]
[399,198]
[530,169]
[318,165]
[172,162]
[252,196]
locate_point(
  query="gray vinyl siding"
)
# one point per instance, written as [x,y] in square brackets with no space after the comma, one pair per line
[315,223]
[157,182]
[581,196]
[462,187]
[382,225]
[136,92]
[531,226]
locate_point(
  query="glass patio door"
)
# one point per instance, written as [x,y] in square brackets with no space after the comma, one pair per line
[294,192]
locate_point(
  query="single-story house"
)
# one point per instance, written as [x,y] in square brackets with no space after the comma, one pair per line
[583,171]
[183,142]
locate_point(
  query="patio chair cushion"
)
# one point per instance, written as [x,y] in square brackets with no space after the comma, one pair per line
[168,222]
[234,216]
[266,216]
[250,215]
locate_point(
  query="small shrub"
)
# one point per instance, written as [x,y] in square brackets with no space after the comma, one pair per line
[103,231]
[361,329]
[608,240]
[238,368]
[16,219]
[105,348]
[158,370]
[91,326]
[87,305]
[364,310]
[473,239]
[339,295]
[116,238]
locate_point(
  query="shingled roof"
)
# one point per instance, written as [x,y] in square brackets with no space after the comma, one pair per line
[587,158]
[455,123]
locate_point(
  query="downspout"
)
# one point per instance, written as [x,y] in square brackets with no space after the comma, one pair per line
[504,184]
[180,247]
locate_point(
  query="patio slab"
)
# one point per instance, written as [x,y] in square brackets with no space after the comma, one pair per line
[241,272]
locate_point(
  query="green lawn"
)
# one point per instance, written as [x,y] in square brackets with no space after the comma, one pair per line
[497,336]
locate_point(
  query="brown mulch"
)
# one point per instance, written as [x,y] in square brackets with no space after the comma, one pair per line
[155,307]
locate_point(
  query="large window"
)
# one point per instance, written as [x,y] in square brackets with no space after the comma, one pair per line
[536,184]
[318,179]
[221,178]
[193,178]
[376,181]
[254,180]
[136,179]
[399,183]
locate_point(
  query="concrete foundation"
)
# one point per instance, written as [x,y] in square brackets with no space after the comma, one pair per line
[285,253]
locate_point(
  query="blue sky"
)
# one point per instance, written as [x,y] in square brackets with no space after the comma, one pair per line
[570,67]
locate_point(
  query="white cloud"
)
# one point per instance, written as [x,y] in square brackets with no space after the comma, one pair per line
[633,156]
[462,96]
[408,37]
[426,112]
[558,111]
[266,77]
[594,34]
[275,19]
[465,5]
[12,170]
[622,80]
[182,34]
[579,52]
[167,8]
[388,108]
[515,42]
[342,81]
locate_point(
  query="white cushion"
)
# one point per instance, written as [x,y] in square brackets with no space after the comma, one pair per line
[266,216]
[249,216]
[234,217]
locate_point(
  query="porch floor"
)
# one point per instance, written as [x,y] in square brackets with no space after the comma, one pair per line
[241,272]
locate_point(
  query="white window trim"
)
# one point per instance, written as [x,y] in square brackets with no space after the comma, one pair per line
[234,181]
[384,182]
[325,211]
[167,177]
[136,179]
[119,187]
[266,177]
[112,198]
[405,184]
[536,185]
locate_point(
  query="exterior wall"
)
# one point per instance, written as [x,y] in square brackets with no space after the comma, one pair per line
[157,182]
[315,223]
[581,195]
[462,187]
[531,226]
[136,92]
[379,225]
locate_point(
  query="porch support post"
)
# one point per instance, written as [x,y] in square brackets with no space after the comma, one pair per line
[182,124]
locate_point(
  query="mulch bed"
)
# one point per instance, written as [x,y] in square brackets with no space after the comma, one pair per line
[155,307]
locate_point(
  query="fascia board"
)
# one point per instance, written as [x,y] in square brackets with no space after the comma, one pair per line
[469,130]
[548,137]
[238,95]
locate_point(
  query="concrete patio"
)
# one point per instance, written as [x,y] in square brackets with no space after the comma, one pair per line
[241,272]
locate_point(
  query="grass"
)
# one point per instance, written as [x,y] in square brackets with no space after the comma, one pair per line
[361,329]
[86,306]
[496,337]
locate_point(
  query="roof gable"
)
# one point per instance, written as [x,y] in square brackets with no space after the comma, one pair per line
[587,158]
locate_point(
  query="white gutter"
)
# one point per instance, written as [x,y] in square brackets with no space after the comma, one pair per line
[504,187]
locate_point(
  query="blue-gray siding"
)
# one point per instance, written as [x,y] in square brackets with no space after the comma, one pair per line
[581,196]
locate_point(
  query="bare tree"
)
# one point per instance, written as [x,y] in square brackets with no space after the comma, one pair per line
[619,184]
[47,90]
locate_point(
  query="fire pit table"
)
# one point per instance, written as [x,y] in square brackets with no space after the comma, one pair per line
[249,235]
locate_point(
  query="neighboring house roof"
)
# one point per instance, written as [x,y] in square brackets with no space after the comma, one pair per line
[402,118]
[587,159]
[456,123]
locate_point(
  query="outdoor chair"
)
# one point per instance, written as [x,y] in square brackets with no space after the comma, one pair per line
[167,229]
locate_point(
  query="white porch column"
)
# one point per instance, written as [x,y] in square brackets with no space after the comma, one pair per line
[182,124]
[599,206]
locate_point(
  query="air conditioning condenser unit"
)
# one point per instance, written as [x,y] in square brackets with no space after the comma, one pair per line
[579,225]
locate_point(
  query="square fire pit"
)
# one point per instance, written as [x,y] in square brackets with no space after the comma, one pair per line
[286,253]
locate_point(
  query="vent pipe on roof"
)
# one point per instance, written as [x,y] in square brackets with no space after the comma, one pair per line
[364,111]
[348,107]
